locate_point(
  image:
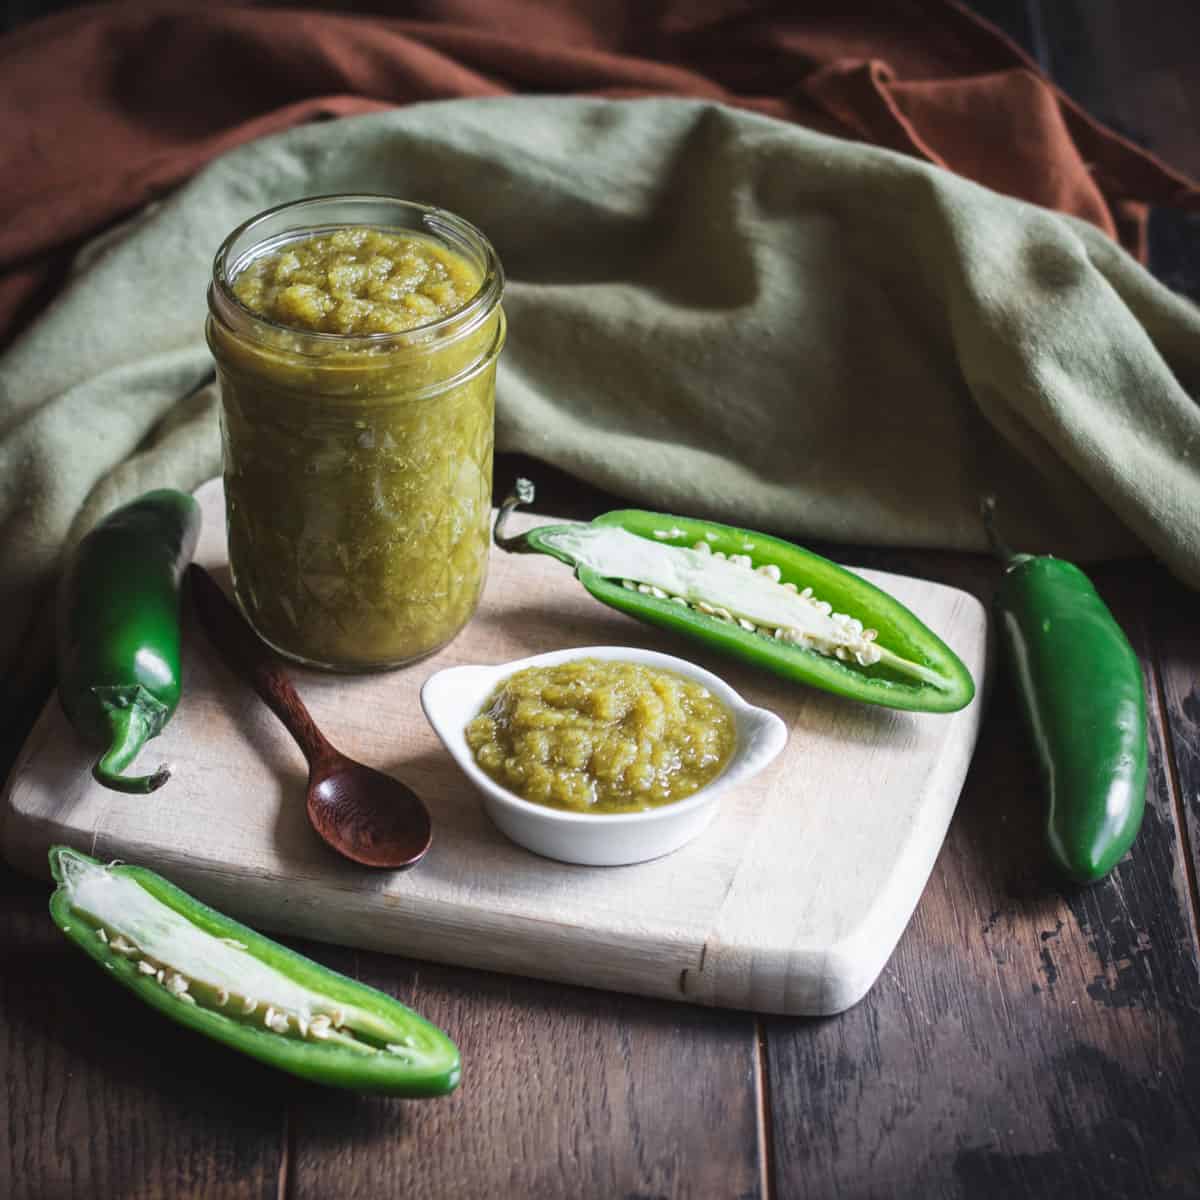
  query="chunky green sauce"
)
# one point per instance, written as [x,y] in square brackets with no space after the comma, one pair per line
[357,281]
[602,736]
[358,468]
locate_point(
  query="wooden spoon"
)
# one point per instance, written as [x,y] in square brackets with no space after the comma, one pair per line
[362,813]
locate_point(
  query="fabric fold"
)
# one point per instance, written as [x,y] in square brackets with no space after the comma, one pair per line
[150,92]
[710,312]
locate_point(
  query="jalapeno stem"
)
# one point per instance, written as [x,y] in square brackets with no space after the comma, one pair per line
[1000,548]
[132,725]
[523,493]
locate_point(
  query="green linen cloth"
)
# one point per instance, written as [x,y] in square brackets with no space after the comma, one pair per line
[711,312]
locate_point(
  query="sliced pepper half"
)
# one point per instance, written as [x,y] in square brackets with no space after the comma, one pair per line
[759,598]
[221,978]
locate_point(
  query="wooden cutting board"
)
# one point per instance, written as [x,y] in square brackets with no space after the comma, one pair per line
[790,902]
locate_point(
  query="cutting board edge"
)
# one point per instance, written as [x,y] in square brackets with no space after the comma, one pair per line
[834,978]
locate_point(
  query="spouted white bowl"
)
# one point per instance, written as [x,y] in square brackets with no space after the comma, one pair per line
[452,697]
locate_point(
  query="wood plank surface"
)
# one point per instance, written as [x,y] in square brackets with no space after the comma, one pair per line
[1173,615]
[101,1098]
[1026,1039]
[565,1092]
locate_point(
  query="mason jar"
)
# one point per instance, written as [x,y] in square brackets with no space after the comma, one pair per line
[356,340]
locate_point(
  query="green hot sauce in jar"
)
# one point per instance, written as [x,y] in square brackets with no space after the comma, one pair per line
[356,340]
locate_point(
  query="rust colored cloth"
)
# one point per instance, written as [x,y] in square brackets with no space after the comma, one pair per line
[103,108]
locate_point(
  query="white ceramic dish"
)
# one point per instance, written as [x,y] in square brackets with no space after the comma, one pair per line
[452,697]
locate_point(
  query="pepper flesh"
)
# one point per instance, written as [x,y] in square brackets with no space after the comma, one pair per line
[1084,702]
[367,1041]
[917,671]
[118,630]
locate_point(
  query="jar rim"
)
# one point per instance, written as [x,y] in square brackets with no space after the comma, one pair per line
[461,321]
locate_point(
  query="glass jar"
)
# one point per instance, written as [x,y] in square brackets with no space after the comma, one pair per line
[357,467]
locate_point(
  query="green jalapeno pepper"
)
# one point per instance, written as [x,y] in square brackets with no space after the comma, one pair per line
[759,598]
[118,630]
[220,978]
[1084,702]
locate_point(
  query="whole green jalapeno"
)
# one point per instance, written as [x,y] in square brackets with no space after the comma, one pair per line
[1084,703]
[764,600]
[118,645]
[220,978]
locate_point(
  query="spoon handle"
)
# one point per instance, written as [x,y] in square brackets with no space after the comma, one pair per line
[249,657]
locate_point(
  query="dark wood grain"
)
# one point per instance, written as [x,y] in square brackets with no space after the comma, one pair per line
[104,1098]
[566,1093]
[1173,611]
[1027,1038]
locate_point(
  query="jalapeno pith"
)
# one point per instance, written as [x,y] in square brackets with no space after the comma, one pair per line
[118,630]
[220,978]
[759,598]
[1084,702]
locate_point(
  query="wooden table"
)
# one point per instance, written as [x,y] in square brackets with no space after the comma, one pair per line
[1025,1040]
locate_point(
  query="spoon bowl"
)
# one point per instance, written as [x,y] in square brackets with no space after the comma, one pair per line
[366,816]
